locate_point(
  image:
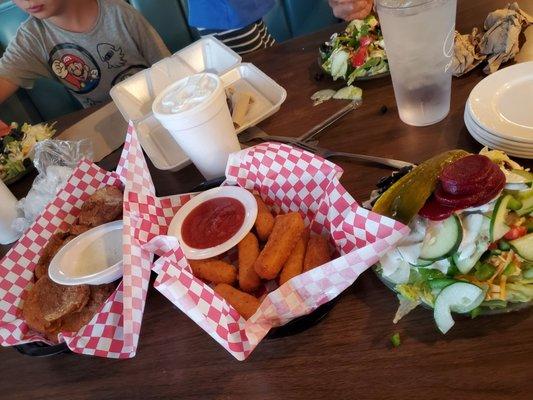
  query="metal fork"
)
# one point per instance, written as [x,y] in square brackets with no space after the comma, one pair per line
[326,153]
[254,132]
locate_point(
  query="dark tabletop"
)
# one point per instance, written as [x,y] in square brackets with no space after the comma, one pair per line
[346,356]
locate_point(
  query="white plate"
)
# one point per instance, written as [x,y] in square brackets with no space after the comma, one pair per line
[103,241]
[498,146]
[497,139]
[502,103]
[235,192]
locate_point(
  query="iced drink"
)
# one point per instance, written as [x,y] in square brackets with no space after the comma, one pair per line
[195,112]
[419,40]
[8,213]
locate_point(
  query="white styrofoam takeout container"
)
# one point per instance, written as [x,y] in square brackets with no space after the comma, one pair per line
[135,95]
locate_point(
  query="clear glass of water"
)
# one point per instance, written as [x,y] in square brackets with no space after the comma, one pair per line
[419,40]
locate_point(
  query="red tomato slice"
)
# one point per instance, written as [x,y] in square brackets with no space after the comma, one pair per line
[4,129]
[359,57]
[515,233]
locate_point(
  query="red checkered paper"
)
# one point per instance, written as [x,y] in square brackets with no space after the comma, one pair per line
[114,331]
[288,179]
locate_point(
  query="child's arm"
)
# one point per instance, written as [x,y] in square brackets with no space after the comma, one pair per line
[7,88]
[150,44]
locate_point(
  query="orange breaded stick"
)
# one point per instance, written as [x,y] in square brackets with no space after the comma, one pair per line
[295,263]
[244,303]
[264,221]
[214,271]
[317,252]
[287,231]
[248,253]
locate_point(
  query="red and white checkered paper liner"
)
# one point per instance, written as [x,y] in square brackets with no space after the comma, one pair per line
[114,331]
[288,179]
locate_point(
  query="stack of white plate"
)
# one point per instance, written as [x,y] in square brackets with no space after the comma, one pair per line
[499,111]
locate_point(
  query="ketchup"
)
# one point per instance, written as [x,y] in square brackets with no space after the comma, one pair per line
[212,222]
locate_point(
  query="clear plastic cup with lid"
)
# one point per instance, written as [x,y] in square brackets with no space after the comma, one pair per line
[195,112]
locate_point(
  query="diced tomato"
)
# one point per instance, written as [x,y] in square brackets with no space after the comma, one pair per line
[359,57]
[493,246]
[515,233]
[4,129]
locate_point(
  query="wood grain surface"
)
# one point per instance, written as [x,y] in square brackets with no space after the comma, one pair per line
[348,355]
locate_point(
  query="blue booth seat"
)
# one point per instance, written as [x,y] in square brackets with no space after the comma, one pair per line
[306,16]
[168,18]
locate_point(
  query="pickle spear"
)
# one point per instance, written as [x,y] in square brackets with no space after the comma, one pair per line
[405,198]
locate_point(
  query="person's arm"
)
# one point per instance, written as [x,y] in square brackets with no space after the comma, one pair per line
[150,44]
[349,10]
[7,89]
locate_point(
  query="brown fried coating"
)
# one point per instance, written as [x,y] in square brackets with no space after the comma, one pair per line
[77,229]
[317,252]
[287,231]
[56,242]
[244,303]
[248,252]
[104,205]
[214,271]
[47,302]
[294,264]
[32,313]
[264,221]
[73,322]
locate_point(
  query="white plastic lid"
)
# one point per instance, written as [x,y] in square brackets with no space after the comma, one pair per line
[186,94]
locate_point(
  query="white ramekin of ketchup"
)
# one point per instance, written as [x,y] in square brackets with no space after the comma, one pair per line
[214,221]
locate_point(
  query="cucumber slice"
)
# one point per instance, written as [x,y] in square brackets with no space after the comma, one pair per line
[420,263]
[443,240]
[527,206]
[524,246]
[459,297]
[498,227]
[465,265]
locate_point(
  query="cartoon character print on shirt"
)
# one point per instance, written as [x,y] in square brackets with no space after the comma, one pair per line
[110,54]
[74,67]
[130,71]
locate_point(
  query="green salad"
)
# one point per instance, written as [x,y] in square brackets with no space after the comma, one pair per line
[470,248]
[357,52]
[16,146]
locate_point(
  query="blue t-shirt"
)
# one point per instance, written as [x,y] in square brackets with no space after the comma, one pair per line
[226,14]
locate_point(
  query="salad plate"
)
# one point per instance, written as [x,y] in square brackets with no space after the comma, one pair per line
[470,248]
[357,53]
[17,143]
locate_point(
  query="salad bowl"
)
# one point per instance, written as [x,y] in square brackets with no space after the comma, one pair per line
[470,249]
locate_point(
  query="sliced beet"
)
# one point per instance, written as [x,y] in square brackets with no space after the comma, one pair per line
[435,211]
[493,185]
[467,175]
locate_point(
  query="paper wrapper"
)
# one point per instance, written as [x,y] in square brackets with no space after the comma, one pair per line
[499,43]
[288,179]
[114,330]
[501,39]
[467,55]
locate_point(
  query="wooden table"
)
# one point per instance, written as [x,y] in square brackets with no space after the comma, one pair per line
[348,355]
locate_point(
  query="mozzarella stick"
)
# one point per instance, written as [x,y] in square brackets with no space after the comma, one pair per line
[214,271]
[317,252]
[286,232]
[244,303]
[248,253]
[264,221]
[295,262]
